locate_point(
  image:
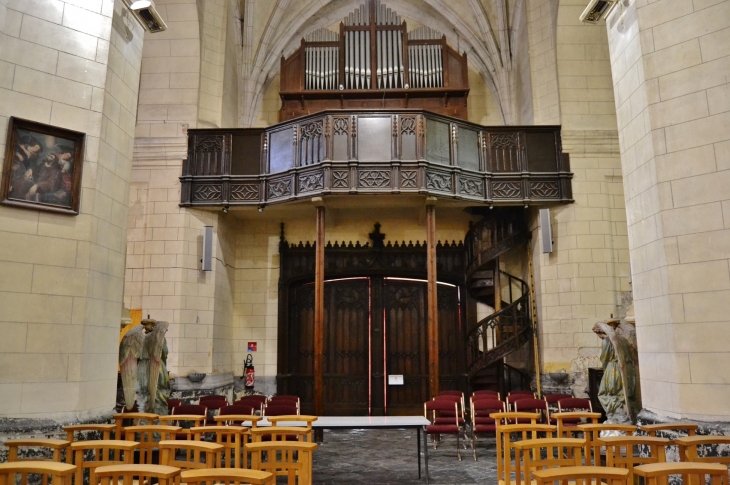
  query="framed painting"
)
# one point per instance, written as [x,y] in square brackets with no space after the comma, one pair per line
[42,168]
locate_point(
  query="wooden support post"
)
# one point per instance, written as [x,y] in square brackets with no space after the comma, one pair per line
[319,309]
[432,298]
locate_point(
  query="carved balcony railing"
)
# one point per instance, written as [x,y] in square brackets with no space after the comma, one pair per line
[375,152]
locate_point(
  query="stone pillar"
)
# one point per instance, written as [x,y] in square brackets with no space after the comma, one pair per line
[74,65]
[670,62]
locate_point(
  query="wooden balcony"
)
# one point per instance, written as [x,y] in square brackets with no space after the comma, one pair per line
[369,152]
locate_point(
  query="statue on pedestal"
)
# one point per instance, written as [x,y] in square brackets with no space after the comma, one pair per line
[619,392]
[143,366]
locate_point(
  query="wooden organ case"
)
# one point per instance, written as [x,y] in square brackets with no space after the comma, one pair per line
[374,62]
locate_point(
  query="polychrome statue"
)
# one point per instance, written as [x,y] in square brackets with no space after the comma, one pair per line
[143,365]
[619,392]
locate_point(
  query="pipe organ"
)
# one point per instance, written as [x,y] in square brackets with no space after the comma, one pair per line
[374,62]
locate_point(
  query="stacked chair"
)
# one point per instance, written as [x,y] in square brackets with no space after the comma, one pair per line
[533,452]
[146,448]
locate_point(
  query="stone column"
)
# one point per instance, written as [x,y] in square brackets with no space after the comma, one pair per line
[73,65]
[670,62]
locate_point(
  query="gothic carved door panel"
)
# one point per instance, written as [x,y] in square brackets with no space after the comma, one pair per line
[406,346]
[373,327]
[346,347]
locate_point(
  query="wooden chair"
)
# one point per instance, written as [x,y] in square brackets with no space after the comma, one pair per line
[540,454]
[145,436]
[284,458]
[59,473]
[567,422]
[505,441]
[281,433]
[123,420]
[56,446]
[89,455]
[592,434]
[431,410]
[230,437]
[227,476]
[691,449]
[631,451]
[581,475]
[481,421]
[692,473]
[105,430]
[130,474]
[236,419]
[512,417]
[196,454]
[671,431]
[185,422]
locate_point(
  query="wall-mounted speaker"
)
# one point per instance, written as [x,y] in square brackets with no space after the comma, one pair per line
[547,231]
[207,260]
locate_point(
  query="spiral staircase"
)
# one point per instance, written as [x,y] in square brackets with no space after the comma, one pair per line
[510,327]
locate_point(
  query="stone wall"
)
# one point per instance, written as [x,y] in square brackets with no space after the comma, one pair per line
[73,64]
[670,62]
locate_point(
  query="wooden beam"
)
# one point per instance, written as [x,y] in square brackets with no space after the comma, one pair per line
[319,309]
[432,298]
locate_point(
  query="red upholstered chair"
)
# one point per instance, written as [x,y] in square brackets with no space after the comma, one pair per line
[281,409]
[206,399]
[516,395]
[533,405]
[432,410]
[445,417]
[213,403]
[487,393]
[285,400]
[553,399]
[254,401]
[481,422]
[236,409]
[449,392]
[171,403]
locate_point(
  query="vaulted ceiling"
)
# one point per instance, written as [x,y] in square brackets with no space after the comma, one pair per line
[487,30]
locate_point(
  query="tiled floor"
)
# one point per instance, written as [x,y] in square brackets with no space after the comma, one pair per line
[389,457]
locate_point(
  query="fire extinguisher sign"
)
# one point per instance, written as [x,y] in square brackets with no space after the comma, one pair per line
[252,346]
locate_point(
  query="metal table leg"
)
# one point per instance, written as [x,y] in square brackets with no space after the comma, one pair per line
[425,453]
[418,447]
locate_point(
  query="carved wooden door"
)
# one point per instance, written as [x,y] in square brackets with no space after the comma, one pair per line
[373,327]
[405,346]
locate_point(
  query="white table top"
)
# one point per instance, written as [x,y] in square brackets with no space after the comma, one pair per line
[353,422]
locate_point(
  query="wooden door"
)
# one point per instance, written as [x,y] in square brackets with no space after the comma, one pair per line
[406,346]
[346,347]
[373,327]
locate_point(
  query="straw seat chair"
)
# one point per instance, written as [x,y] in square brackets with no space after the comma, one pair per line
[631,451]
[105,430]
[227,476]
[692,473]
[505,433]
[190,454]
[545,453]
[592,434]
[230,437]
[146,436]
[125,419]
[567,422]
[581,475]
[284,458]
[59,473]
[56,447]
[89,455]
[691,449]
[130,474]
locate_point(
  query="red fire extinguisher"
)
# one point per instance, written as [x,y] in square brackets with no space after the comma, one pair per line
[248,372]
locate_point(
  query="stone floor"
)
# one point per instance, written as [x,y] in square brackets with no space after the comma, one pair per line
[382,457]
